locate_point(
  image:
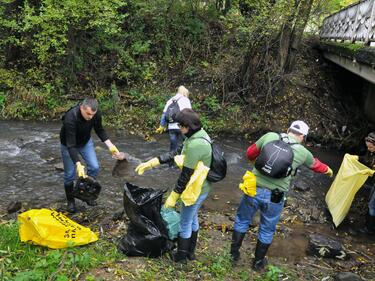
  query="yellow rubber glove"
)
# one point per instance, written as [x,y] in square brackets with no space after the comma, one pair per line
[141,168]
[160,130]
[113,149]
[249,185]
[171,200]
[80,170]
[179,160]
[329,172]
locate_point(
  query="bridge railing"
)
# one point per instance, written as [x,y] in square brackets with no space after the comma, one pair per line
[355,23]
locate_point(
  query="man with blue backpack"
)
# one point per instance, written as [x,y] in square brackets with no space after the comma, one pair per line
[275,157]
[174,105]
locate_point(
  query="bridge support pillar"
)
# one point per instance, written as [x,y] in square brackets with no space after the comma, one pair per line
[370,102]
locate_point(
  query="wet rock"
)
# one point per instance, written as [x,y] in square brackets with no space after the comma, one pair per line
[315,214]
[347,276]
[119,215]
[301,186]
[123,168]
[14,207]
[59,167]
[325,247]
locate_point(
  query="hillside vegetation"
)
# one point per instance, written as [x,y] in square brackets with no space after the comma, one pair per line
[238,58]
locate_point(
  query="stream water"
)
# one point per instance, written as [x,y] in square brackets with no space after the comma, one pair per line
[30,160]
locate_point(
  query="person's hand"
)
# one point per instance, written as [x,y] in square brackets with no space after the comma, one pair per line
[329,172]
[119,156]
[171,200]
[160,130]
[141,168]
[113,149]
[249,185]
[80,170]
[179,160]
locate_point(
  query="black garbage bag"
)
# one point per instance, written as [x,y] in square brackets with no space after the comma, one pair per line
[86,189]
[147,234]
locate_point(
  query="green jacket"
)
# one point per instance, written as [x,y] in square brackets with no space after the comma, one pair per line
[301,157]
[197,149]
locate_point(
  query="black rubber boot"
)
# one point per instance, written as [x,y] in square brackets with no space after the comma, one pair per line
[193,245]
[183,245]
[237,238]
[70,198]
[369,227]
[260,256]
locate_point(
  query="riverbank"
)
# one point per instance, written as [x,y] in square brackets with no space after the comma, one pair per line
[30,173]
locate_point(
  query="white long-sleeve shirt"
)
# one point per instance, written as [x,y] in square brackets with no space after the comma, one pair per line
[183,102]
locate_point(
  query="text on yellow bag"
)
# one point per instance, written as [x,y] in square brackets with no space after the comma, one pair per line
[53,229]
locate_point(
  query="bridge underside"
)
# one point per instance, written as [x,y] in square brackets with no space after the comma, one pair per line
[367,72]
[358,60]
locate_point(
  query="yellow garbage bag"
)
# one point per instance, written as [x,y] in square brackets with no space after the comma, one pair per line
[52,229]
[249,184]
[194,186]
[351,176]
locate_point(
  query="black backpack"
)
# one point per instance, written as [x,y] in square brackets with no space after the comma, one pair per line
[218,168]
[171,111]
[275,159]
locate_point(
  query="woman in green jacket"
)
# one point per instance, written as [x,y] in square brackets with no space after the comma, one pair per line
[196,147]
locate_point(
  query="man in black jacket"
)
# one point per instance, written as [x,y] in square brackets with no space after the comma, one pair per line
[75,137]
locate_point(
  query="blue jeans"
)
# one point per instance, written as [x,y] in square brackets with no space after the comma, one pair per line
[175,138]
[269,214]
[89,156]
[371,203]
[189,217]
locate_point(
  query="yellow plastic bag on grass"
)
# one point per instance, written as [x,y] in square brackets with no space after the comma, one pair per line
[53,229]
[194,186]
[351,176]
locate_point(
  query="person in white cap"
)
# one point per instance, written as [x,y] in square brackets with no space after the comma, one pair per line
[275,157]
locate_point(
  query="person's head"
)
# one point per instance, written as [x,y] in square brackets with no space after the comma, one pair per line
[88,107]
[183,91]
[299,130]
[188,121]
[370,142]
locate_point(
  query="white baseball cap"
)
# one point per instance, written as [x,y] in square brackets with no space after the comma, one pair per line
[300,127]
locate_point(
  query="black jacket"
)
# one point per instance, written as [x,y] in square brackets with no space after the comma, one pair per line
[368,159]
[76,131]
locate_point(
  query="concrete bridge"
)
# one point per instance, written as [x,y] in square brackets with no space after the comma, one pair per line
[348,40]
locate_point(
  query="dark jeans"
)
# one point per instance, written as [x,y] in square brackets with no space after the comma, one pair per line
[175,137]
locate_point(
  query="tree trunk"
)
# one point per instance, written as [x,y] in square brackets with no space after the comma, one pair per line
[291,35]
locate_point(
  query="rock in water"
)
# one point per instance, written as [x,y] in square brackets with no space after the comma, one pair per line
[325,247]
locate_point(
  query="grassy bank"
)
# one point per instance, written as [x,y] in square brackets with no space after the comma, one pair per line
[102,261]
